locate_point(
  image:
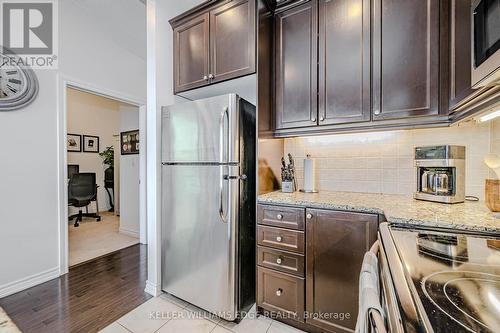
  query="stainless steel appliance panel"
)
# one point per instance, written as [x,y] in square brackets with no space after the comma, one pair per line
[202,131]
[199,236]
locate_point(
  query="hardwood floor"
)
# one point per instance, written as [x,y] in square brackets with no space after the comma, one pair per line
[87,299]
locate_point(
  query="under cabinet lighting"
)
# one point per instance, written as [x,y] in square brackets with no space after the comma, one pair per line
[489,116]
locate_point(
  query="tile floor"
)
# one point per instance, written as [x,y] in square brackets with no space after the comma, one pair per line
[167,314]
[93,239]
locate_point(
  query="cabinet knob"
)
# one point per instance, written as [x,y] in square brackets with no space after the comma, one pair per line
[376,112]
[321,118]
[279,260]
[279,238]
[211,76]
[205,77]
[313,119]
[279,217]
[279,292]
[309,216]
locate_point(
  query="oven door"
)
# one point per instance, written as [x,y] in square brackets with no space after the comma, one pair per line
[486,43]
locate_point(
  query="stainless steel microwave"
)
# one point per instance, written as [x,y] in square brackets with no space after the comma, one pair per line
[485,43]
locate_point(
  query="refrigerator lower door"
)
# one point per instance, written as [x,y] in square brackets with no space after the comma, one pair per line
[199,222]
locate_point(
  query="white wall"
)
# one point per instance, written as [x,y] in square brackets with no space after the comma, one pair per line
[30,163]
[129,177]
[98,116]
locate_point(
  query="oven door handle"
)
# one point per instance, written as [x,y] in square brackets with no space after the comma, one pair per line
[377,323]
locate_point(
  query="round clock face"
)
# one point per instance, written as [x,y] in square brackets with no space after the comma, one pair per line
[18,86]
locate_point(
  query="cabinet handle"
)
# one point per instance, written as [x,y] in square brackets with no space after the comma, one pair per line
[309,216]
[279,260]
[313,119]
[321,118]
[279,292]
[279,217]
[376,112]
[279,238]
[211,76]
[205,77]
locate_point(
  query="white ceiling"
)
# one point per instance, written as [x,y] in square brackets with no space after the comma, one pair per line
[124,21]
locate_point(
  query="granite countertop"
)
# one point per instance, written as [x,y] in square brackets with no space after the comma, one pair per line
[396,208]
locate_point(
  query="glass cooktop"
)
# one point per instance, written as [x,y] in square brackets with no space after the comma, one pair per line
[456,278]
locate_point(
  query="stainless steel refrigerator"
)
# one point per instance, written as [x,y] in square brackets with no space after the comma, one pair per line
[208,203]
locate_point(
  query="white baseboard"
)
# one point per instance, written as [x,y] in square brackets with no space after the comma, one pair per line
[153,289]
[129,232]
[28,282]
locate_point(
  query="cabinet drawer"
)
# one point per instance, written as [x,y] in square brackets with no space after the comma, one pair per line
[283,239]
[281,216]
[281,261]
[280,292]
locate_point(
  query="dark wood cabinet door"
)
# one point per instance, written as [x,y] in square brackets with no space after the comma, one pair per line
[336,243]
[191,53]
[405,58]
[344,61]
[460,51]
[232,40]
[296,66]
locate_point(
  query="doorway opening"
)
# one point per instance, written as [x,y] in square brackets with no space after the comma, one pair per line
[103,198]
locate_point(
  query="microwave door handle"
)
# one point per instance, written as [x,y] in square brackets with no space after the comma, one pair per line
[224,137]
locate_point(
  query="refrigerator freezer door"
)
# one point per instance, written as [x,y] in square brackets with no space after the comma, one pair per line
[203,131]
[199,222]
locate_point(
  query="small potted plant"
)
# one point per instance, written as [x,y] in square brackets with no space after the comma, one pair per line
[108,156]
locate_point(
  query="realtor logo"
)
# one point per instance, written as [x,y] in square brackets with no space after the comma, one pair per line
[29,31]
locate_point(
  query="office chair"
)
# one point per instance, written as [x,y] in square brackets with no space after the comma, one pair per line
[82,190]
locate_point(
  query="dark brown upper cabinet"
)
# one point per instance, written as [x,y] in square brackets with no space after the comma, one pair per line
[214,42]
[405,58]
[191,53]
[296,66]
[336,243]
[232,40]
[344,61]
[460,55]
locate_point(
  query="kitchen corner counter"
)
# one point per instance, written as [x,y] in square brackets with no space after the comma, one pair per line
[396,208]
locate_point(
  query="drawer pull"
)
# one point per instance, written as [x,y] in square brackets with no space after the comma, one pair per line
[309,216]
[279,217]
[279,292]
[279,239]
[279,260]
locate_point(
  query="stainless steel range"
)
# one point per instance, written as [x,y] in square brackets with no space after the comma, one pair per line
[435,281]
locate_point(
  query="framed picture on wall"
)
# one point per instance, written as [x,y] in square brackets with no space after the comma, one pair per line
[129,142]
[90,144]
[74,142]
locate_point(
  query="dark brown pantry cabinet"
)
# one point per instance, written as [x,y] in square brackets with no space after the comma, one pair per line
[309,262]
[296,66]
[214,43]
[336,242]
[405,58]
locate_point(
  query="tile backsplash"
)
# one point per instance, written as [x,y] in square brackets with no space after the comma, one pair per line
[383,162]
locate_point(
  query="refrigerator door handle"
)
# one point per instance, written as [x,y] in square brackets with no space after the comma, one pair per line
[224,149]
[222,214]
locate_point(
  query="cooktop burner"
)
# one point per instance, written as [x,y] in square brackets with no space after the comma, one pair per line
[455,278]
[449,292]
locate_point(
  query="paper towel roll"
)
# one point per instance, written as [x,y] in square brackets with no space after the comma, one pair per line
[309,174]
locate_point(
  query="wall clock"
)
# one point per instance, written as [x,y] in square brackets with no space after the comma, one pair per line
[18,85]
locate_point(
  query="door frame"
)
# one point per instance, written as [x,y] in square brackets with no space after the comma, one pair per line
[64,83]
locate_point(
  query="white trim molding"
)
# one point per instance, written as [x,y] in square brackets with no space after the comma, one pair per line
[28,282]
[153,289]
[129,232]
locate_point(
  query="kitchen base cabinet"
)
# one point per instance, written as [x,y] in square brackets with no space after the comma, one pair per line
[336,244]
[332,245]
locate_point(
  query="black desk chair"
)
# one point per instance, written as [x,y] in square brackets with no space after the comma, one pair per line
[82,190]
